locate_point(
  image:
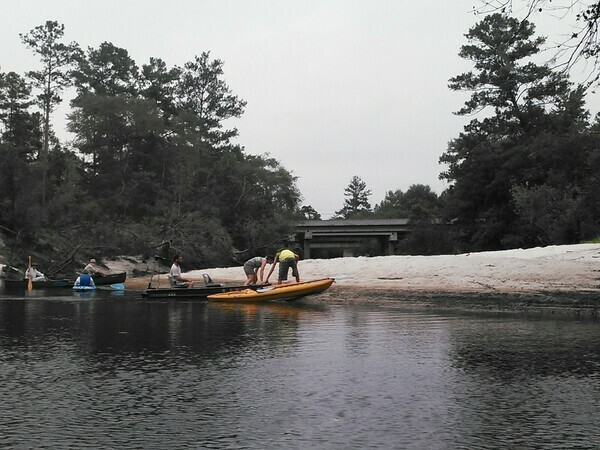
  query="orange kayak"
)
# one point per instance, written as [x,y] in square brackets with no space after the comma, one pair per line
[278,292]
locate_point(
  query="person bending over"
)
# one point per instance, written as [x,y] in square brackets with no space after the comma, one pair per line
[254,269]
[287,260]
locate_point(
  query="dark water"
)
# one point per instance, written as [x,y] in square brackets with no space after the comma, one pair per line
[117,371]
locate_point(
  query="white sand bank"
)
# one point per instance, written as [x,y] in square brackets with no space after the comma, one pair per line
[554,268]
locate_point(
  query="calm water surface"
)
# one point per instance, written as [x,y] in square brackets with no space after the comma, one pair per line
[118,371]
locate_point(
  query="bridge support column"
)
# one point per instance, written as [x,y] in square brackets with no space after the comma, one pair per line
[307,239]
[306,250]
[391,242]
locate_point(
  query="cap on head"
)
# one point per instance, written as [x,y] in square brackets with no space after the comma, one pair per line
[93,261]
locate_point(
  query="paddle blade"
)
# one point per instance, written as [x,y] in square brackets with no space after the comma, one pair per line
[340,276]
[29,278]
[265,289]
[118,286]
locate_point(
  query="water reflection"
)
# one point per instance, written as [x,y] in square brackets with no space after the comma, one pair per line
[527,348]
[123,372]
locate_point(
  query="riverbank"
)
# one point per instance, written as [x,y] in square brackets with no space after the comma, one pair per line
[566,276]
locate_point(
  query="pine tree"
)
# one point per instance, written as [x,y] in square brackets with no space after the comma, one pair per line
[357,200]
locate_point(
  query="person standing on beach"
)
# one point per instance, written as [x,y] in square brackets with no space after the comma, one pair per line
[175,278]
[254,269]
[287,260]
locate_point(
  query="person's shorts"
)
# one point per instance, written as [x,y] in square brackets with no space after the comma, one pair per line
[249,270]
[284,267]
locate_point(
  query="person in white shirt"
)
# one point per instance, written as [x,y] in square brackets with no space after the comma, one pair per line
[92,268]
[175,278]
[34,274]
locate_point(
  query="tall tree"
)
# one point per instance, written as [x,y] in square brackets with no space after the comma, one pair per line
[57,59]
[20,143]
[356,204]
[202,92]
[582,43]
[18,125]
[107,70]
[494,154]
[155,147]
[159,83]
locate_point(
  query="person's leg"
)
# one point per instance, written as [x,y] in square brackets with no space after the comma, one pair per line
[295,273]
[249,271]
[283,271]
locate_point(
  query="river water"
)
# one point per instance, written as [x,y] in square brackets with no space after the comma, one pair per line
[117,371]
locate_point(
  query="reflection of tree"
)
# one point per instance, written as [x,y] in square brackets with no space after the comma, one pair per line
[516,349]
[113,327]
[521,376]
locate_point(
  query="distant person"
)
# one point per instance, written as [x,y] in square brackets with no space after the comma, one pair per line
[287,260]
[84,279]
[175,278]
[92,268]
[34,274]
[254,269]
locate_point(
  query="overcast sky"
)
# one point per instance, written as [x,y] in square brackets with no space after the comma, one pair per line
[334,88]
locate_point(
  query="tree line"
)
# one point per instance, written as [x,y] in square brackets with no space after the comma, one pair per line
[153,169]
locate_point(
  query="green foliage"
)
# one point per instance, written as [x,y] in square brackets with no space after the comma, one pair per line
[535,143]
[356,205]
[307,212]
[17,203]
[18,125]
[152,166]
[202,92]
[551,213]
[418,204]
[57,59]
[106,71]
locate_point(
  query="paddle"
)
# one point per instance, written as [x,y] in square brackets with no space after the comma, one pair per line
[30,278]
[265,289]
[339,277]
[112,287]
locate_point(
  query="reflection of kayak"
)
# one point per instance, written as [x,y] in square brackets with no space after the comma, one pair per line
[278,292]
[84,288]
[200,292]
[45,284]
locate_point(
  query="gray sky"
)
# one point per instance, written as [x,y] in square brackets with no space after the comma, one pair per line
[335,88]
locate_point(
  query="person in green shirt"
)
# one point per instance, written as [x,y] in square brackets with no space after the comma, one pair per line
[287,260]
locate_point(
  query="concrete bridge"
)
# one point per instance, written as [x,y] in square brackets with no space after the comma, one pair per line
[347,235]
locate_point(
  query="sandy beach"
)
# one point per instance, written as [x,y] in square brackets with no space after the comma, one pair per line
[565,268]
